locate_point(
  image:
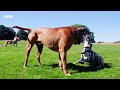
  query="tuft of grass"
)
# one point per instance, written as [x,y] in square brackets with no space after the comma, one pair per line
[12,58]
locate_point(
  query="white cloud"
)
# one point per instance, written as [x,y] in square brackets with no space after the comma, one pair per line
[7,16]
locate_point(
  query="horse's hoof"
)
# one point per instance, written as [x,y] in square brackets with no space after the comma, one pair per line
[68,74]
[25,66]
[39,65]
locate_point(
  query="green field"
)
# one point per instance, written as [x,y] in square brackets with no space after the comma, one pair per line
[12,58]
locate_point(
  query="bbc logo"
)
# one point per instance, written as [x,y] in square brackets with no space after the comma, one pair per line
[8,16]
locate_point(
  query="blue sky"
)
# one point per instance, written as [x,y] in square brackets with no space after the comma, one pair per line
[104,24]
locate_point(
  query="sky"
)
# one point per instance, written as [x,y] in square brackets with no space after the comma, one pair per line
[104,24]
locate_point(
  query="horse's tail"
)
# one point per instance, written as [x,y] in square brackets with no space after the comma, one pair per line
[28,29]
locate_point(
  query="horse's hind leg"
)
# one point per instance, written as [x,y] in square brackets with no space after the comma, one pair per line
[60,63]
[28,49]
[39,47]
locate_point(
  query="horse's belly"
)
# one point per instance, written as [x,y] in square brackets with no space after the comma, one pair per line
[53,47]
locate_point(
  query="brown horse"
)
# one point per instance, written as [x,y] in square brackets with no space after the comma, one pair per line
[58,39]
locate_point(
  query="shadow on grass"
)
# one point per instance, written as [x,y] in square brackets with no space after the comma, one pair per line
[81,68]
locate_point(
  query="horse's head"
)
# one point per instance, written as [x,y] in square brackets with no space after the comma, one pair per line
[80,33]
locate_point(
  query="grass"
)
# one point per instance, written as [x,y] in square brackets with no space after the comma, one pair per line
[12,58]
